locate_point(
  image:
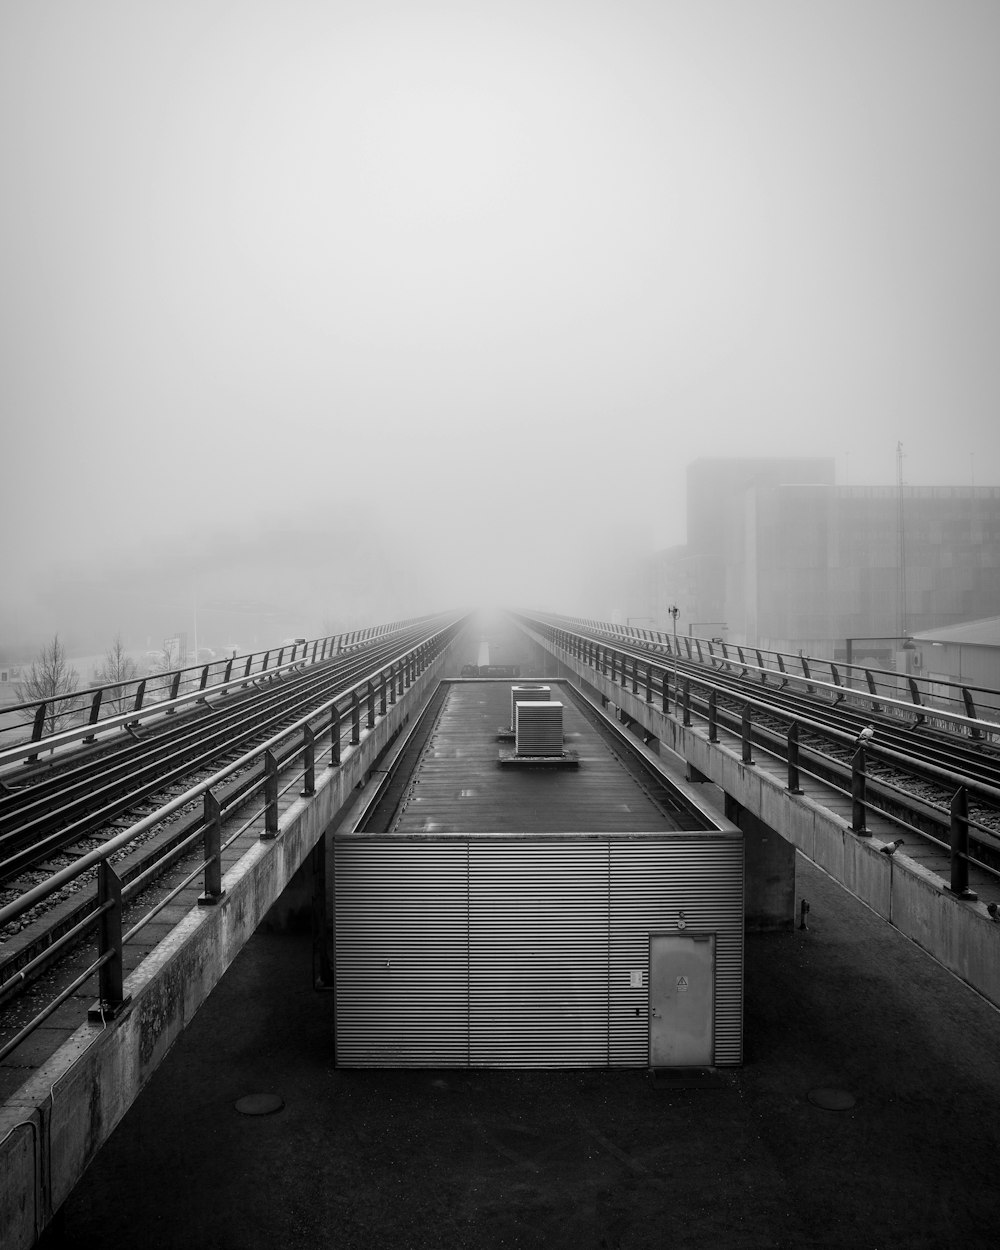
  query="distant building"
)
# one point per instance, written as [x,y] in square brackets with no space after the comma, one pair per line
[789,560]
[965,655]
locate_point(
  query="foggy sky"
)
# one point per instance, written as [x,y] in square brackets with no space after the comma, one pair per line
[484,275]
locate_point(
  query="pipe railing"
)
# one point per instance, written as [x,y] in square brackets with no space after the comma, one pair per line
[610,661]
[281,752]
[917,700]
[114,704]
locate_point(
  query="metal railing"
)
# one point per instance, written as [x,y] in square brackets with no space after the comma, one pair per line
[296,748]
[947,827]
[113,705]
[916,699]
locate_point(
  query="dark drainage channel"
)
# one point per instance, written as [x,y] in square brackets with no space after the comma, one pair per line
[380,818]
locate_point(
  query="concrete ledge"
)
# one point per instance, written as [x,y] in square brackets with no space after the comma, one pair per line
[960,936]
[57,1121]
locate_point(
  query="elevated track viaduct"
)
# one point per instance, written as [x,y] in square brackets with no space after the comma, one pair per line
[61,1103]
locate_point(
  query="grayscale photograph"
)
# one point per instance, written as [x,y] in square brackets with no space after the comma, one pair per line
[499,624]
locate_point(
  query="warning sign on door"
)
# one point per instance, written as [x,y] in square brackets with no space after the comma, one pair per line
[682,984]
[635,980]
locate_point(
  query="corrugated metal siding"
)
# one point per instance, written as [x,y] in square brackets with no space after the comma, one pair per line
[538,729]
[651,883]
[516,952]
[538,953]
[400,953]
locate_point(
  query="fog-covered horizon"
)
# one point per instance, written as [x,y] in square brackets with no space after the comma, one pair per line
[383,307]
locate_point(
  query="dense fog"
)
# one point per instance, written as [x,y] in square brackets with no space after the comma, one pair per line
[321,315]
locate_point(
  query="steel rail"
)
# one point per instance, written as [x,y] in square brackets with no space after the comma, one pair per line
[58,705]
[700,678]
[140,764]
[840,692]
[43,889]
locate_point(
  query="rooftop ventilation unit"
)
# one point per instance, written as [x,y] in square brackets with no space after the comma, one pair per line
[530,693]
[538,728]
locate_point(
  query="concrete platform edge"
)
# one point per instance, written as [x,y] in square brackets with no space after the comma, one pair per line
[52,1128]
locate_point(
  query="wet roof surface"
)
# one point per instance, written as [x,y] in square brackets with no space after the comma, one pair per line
[458,785]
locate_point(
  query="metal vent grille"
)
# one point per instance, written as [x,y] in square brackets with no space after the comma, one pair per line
[538,729]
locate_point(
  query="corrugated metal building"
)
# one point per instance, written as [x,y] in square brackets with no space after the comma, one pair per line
[551,918]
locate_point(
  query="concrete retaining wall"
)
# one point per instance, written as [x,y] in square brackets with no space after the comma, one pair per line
[55,1124]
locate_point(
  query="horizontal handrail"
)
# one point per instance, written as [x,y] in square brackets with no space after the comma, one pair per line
[69,872]
[91,705]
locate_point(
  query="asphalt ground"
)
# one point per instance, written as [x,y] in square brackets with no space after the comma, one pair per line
[599,1158]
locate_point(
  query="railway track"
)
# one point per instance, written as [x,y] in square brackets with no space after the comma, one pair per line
[47,808]
[78,804]
[913,767]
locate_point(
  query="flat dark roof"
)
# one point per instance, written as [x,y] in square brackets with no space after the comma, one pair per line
[458,786]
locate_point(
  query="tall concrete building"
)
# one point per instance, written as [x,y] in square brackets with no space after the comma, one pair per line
[784,558]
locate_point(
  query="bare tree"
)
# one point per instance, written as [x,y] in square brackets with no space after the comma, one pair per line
[114,672]
[167,661]
[51,678]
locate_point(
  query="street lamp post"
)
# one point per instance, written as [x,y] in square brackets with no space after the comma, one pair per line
[673,611]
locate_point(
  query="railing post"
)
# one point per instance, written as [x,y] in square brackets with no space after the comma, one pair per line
[270,796]
[95,712]
[805,669]
[858,809]
[112,999]
[960,845]
[745,738]
[309,780]
[970,711]
[635,675]
[793,786]
[140,694]
[213,852]
[175,687]
[381,694]
[872,689]
[835,674]
[371,705]
[649,681]
[227,675]
[334,736]
[713,717]
[781,669]
[915,696]
[687,702]
[37,725]
[665,702]
[355,718]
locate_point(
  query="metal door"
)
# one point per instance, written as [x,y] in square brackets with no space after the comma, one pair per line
[681,1000]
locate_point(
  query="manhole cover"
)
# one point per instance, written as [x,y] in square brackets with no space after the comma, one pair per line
[260,1104]
[831,1099]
